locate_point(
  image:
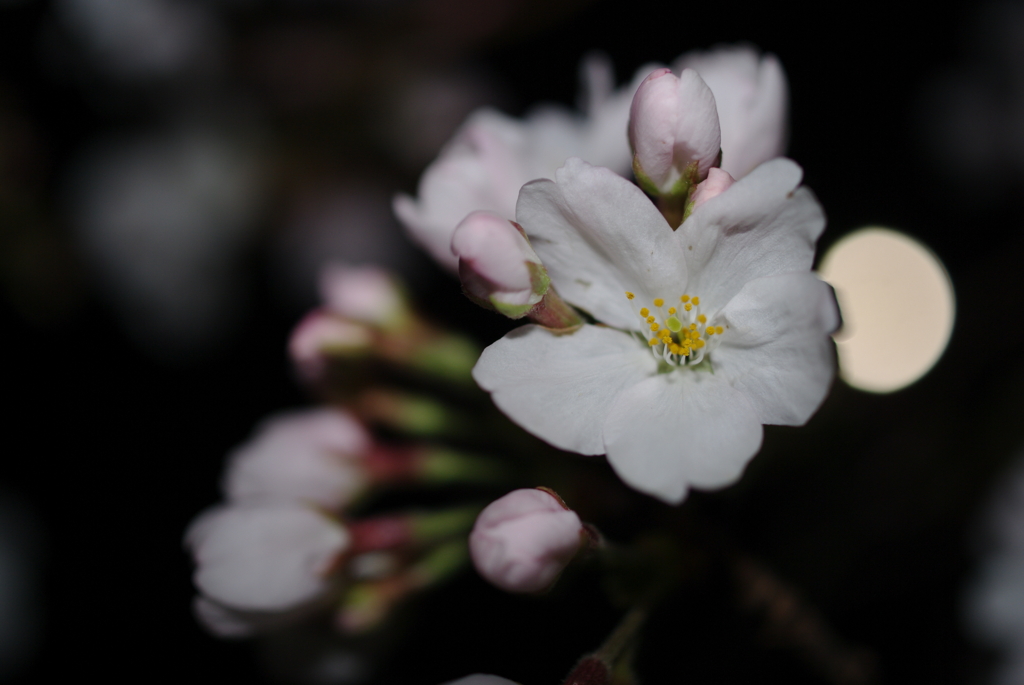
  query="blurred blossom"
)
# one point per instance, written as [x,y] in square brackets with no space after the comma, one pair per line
[995,600]
[897,304]
[493,155]
[348,222]
[309,456]
[20,610]
[135,40]
[162,220]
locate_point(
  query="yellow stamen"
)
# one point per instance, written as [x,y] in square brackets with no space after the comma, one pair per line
[719,330]
[652,342]
[650,319]
[657,301]
[629,295]
[655,326]
[698,344]
[693,326]
[644,311]
[671,310]
[696,300]
[687,306]
[711,330]
[702,318]
[684,299]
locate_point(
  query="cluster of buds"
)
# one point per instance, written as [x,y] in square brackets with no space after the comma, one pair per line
[287,543]
[366,316]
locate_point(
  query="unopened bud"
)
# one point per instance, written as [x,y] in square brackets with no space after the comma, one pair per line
[366,294]
[674,132]
[497,265]
[321,335]
[523,541]
[715,184]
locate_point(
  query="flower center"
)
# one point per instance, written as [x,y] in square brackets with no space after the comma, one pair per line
[677,333]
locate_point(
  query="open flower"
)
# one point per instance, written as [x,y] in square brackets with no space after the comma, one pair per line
[493,155]
[710,331]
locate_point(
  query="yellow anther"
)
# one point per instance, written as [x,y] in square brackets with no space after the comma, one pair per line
[652,342]
[655,326]
[671,310]
[696,300]
[684,299]
[644,311]
[658,302]
[687,306]
[702,318]
[629,295]
[650,319]
[665,335]
[719,330]
[710,330]
[698,344]
[693,326]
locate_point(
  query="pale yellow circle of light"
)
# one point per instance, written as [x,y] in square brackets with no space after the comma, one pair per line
[898,308]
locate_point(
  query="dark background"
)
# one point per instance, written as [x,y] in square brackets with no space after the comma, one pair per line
[870,511]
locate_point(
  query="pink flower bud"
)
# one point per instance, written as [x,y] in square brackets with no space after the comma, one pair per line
[366,294]
[321,333]
[498,267]
[521,542]
[752,98]
[674,131]
[715,184]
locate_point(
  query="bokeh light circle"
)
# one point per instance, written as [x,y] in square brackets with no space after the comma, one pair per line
[898,308]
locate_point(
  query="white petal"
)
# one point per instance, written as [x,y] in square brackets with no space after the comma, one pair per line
[777,349]
[560,387]
[310,456]
[599,236]
[482,168]
[761,226]
[270,557]
[680,430]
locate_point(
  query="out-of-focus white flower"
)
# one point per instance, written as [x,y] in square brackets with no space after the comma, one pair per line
[523,541]
[139,39]
[673,130]
[498,267]
[752,98]
[493,155]
[481,679]
[162,220]
[274,556]
[995,600]
[309,456]
[710,330]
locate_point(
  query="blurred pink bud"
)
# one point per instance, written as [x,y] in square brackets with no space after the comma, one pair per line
[498,267]
[715,184]
[366,294]
[521,542]
[308,456]
[321,333]
[265,557]
[674,131]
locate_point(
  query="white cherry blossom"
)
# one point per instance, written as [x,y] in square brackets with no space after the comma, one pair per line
[493,155]
[708,331]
